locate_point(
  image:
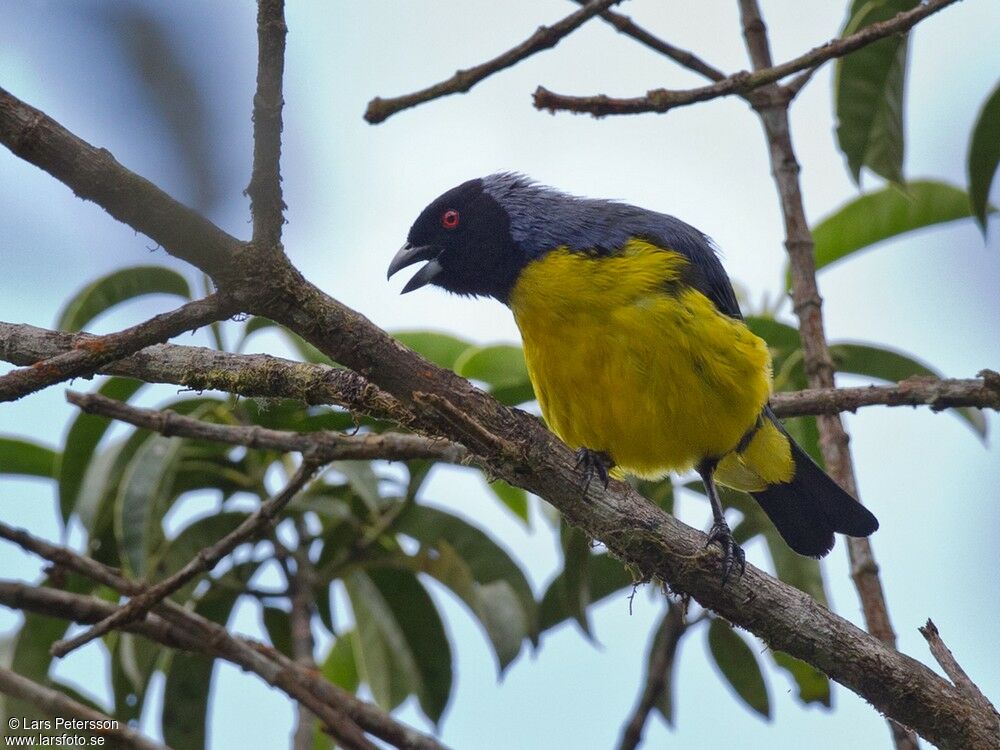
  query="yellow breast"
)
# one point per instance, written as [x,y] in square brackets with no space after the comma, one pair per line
[627,359]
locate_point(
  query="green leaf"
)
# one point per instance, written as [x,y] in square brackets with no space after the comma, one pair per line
[501,367]
[278,625]
[489,564]
[27,458]
[884,214]
[739,666]
[439,348]
[778,335]
[575,580]
[81,442]
[141,497]
[869,90]
[813,685]
[189,675]
[513,497]
[117,287]
[339,666]
[403,647]
[133,661]
[363,480]
[984,156]
[605,575]
[891,366]
[197,535]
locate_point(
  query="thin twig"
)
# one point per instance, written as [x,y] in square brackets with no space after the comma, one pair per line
[64,708]
[689,60]
[808,307]
[89,353]
[943,655]
[545,37]
[202,562]
[741,83]
[266,204]
[663,649]
[337,708]
[303,601]
[323,445]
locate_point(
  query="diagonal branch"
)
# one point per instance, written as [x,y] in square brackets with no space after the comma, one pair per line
[341,711]
[943,655]
[545,37]
[203,562]
[54,703]
[266,204]
[89,353]
[743,82]
[834,441]
[322,446]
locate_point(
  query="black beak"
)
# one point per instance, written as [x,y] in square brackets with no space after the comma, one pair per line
[407,256]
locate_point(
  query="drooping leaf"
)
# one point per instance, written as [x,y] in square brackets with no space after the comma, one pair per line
[884,214]
[133,662]
[189,674]
[488,562]
[891,366]
[117,287]
[606,575]
[278,625]
[81,441]
[813,685]
[575,579]
[439,348]
[984,156]
[363,480]
[140,501]
[778,335]
[739,666]
[869,89]
[666,638]
[339,666]
[27,458]
[514,498]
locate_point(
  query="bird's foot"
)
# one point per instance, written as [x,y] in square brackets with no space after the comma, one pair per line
[593,463]
[732,553]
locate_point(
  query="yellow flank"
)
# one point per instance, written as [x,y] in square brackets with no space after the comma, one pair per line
[627,359]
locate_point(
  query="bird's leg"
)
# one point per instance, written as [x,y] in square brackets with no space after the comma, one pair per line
[721,533]
[593,463]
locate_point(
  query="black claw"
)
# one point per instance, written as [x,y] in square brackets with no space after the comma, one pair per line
[732,552]
[593,463]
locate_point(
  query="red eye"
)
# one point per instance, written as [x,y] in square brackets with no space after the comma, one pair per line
[449,219]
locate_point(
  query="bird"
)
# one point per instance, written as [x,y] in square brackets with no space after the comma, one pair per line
[636,347]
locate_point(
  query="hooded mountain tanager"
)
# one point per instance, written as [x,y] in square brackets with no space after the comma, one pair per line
[635,345]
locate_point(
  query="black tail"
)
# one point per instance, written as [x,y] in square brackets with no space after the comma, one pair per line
[810,507]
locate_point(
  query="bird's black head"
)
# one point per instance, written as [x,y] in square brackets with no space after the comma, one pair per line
[465,238]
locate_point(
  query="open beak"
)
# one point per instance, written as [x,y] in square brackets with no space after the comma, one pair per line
[407,256]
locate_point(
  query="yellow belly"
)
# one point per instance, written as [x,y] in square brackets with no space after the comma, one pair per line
[628,360]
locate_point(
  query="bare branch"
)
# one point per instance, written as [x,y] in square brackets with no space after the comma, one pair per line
[743,82]
[266,204]
[323,446]
[954,670]
[54,703]
[303,601]
[93,174]
[689,60]
[808,307]
[204,561]
[342,712]
[545,37]
[91,352]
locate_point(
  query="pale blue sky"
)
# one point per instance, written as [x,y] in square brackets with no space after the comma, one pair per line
[353,190]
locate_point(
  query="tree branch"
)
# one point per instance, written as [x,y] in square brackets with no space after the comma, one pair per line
[303,601]
[689,60]
[323,446]
[341,711]
[57,704]
[743,82]
[545,37]
[204,561]
[942,654]
[515,447]
[808,307]
[266,204]
[91,352]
